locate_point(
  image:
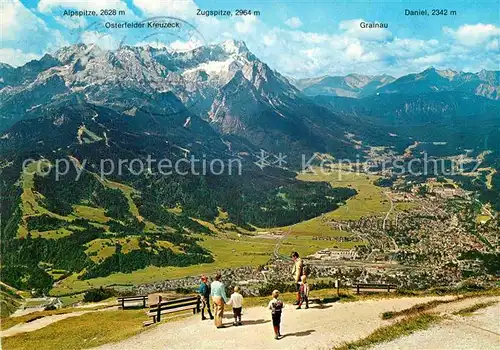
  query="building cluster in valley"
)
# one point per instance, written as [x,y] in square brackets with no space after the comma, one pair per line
[429,238]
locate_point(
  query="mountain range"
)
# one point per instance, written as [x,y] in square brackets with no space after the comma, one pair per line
[224,86]
[226,90]
[352,85]
[484,83]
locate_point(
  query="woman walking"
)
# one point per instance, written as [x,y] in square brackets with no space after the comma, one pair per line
[218,293]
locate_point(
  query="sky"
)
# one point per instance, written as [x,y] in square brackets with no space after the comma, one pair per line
[300,39]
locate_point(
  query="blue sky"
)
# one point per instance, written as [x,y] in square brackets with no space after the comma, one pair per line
[298,38]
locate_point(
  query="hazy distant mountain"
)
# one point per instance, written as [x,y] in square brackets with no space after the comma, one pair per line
[485,83]
[352,85]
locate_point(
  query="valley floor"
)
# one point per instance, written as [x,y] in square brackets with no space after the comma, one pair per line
[321,327]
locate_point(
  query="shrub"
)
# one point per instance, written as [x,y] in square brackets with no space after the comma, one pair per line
[94,295]
[282,287]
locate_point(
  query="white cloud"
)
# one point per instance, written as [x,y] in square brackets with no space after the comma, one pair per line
[474,34]
[25,36]
[71,22]
[16,57]
[246,25]
[47,6]
[180,8]
[102,40]
[291,50]
[183,46]
[353,28]
[294,22]
[177,45]
[408,48]
[309,37]
[269,39]
[18,23]
[493,45]
[354,51]
[155,44]
[57,40]
[429,59]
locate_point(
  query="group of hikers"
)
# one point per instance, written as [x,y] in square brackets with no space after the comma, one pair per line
[217,292]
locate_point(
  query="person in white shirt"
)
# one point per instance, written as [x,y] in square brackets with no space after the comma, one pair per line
[218,294]
[236,301]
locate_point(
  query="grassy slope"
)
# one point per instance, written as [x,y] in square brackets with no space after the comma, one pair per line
[30,206]
[370,200]
[8,303]
[79,332]
[231,249]
[10,299]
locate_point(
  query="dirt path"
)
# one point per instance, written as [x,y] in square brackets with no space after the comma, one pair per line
[316,328]
[44,322]
[276,251]
[480,331]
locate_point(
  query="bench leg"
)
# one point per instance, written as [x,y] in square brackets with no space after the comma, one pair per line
[158,315]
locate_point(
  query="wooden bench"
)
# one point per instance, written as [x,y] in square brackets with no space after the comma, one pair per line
[171,306]
[374,287]
[134,299]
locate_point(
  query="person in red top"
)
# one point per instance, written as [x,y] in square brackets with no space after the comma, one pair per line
[304,292]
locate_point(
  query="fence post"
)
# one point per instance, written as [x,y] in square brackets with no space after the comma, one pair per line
[158,312]
[123,303]
[144,302]
[357,288]
[337,284]
[198,302]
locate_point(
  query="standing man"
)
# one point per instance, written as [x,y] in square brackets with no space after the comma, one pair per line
[218,293]
[298,266]
[204,292]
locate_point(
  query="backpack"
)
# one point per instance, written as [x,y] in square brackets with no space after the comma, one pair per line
[277,307]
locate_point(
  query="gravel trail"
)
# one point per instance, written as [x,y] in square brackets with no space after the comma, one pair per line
[315,328]
[479,331]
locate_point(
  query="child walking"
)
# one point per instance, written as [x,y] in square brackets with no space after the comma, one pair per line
[276,306]
[304,292]
[236,301]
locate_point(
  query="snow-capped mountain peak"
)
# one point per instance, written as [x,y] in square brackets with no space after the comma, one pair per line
[234,46]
